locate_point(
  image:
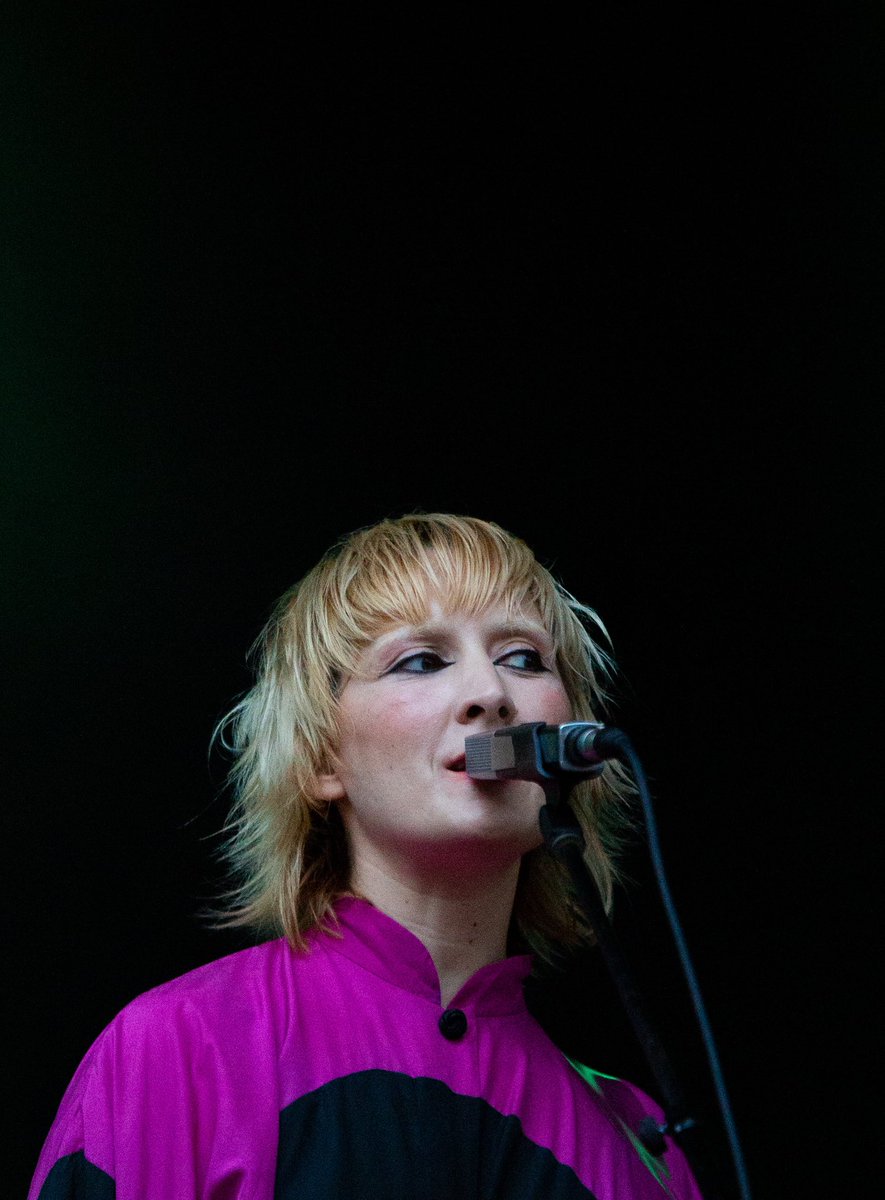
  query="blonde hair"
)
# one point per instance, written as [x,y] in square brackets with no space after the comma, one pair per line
[286,849]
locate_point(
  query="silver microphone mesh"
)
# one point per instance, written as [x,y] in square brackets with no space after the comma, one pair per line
[486,755]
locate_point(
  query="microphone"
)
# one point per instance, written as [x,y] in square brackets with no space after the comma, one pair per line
[539,752]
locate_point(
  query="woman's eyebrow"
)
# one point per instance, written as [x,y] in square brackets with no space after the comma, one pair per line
[429,631]
[522,629]
[439,631]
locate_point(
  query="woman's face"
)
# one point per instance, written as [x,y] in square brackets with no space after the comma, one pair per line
[399,778]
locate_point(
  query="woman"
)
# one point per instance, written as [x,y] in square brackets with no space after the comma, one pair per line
[379,1045]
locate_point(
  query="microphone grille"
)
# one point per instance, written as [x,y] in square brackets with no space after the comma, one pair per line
[487,755]
[478,756]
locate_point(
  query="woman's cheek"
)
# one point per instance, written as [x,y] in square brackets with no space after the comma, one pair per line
[558,705]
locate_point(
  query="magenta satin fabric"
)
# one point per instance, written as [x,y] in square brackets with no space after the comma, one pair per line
[180,1097]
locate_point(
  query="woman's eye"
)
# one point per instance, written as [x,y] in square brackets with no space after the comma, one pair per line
[423,663]
[524,660]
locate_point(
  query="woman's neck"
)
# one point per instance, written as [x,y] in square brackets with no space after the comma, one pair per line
[462,924]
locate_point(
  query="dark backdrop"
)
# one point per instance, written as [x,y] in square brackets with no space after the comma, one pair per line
[610,282]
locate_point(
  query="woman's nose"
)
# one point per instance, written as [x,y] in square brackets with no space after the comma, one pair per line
[484,695]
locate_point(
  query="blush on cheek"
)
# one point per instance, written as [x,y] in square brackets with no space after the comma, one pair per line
[557,705]
[405,715]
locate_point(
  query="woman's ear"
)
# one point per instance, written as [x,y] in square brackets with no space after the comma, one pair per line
[327,787]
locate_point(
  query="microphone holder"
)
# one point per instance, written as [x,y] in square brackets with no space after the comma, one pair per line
[565,841]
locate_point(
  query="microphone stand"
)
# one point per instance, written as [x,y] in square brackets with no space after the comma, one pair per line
[558,757]
[565,841]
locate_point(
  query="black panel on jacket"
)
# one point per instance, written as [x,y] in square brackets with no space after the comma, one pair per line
[75,1178]
[381,1135]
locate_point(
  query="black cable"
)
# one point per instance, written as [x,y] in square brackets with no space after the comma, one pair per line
[614,743]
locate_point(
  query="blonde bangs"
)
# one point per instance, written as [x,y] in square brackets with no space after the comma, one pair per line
[391,573]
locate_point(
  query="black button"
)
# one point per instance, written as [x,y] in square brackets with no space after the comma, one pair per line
[453,1024]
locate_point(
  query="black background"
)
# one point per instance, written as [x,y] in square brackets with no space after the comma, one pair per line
[612,281]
